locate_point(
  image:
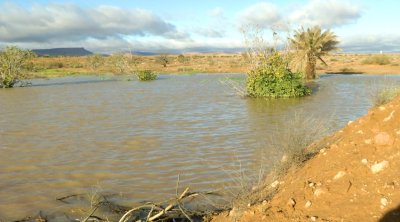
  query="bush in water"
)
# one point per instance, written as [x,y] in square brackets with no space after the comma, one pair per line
[13,65]
[146,75]
[272,78]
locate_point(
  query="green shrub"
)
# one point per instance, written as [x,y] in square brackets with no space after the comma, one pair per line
[146,75]
[272,78]
[377,59]
[13,65]
[181,58]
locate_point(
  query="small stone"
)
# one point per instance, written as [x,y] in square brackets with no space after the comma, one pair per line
[313,218]
[318,192]
[264,202]
[398,132]
[350,122]
[339,175]
[368,141]
[311,184]
[381,108]
[383,139]
[364,161]
[291,202]
[384,201]
[323,150]
[274,184]
[378,167]
[360,132]
[249,205]
[308,204]
[284,158]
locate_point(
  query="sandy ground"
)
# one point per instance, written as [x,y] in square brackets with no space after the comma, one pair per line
[206,63]
[355,178]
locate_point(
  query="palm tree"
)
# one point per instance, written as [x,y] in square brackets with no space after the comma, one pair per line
[311,45]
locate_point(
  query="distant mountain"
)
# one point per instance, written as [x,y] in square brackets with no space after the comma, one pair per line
[62,52]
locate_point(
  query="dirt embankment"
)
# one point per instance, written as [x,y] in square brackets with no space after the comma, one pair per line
[357,178]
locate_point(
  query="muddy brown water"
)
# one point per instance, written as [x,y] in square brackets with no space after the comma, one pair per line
[84,134]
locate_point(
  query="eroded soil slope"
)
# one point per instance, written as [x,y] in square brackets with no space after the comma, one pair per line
[356,178]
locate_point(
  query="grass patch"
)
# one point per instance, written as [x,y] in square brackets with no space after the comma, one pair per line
[295,141]
[385,95]
[379,59]
[299,141]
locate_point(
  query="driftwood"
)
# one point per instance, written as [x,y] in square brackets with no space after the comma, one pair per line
[173,210]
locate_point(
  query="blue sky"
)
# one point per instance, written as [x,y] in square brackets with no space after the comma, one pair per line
[184,26]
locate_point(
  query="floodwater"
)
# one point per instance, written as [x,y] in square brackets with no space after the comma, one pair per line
[75,135]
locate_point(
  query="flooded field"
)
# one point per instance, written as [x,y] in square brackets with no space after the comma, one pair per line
[74,135]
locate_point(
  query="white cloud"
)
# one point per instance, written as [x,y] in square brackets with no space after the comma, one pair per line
[371,43]
[326,13]
[217,12]
[263,15]
[55,22]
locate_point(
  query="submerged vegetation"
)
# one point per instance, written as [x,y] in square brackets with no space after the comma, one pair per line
[13,66]
[145,75]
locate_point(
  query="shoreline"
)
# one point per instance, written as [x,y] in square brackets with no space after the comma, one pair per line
[351,178]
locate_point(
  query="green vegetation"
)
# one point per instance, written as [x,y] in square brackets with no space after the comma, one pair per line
[182,59]
[13,65]
[311,45]
[145,75]
[379,59]
[273,78]
[385,95]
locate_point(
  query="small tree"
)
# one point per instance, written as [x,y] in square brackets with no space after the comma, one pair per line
[95,61]
[13,62]
[163,60]
[181,58]
[120,62]
[311,45]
